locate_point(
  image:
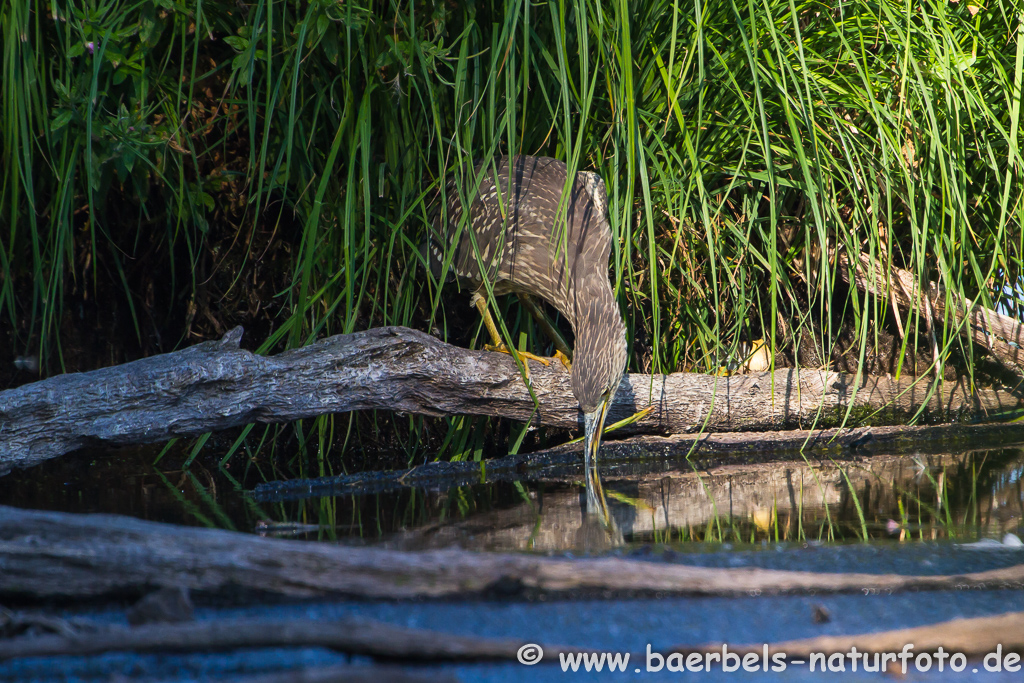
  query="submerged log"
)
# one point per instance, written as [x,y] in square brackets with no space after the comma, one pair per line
[354,636]
[703,453]
[217,385]
[48,555]
[972,637]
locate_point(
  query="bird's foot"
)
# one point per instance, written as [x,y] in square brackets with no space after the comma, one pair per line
[523,355]
[558,355]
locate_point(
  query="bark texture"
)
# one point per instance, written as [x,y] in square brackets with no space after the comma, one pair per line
[46,555]
[974,638]
[354,636]
[217,385]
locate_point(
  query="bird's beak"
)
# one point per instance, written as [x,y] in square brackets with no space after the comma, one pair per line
[593,424]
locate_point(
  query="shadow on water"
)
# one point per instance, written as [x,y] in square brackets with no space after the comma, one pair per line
[682,504]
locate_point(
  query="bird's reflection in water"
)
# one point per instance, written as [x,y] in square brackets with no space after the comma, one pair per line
[598,531]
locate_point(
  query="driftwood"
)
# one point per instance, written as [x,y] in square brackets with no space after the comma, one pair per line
[974,638]
[1000,335]
[354,636]
[217,385]
[49,555]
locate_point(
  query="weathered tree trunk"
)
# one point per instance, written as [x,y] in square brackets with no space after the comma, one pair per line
[217,385]
[51,554]
[974,638]
[355,636]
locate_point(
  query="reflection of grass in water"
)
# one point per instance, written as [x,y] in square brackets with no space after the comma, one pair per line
[739,529]
[255,511]
[950,516]
[943,502]
[189,506]
[221,519]
[856,501]
[210,501]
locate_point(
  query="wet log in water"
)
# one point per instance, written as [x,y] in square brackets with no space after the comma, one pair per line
[47,555]
[217,385]
[974,638]
[354,636]
[703,453]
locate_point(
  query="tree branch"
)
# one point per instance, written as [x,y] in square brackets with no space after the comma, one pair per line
[217,385]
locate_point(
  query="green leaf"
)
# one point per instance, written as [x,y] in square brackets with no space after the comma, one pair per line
[330,46]
[61,120]
[237,43]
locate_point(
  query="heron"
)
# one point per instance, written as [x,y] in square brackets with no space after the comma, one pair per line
[531,233]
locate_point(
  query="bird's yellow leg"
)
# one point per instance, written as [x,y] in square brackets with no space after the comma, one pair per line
[562,351]
[566,361]
[481,305]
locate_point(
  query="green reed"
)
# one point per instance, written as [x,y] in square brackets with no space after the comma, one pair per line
[157,153]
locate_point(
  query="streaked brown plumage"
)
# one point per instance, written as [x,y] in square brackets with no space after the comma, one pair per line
[521,247]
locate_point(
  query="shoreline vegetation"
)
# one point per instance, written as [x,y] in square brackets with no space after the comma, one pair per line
[174,170]
[836,188]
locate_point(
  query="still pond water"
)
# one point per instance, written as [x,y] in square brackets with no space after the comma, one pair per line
[919,513]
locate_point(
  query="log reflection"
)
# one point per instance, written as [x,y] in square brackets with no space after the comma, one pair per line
[896,497]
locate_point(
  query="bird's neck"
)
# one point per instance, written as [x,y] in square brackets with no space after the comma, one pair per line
[596,312]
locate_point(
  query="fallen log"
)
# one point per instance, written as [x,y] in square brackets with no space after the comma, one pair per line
[974,638]
[703,451]
[48,555]
[217,385]
[354,636]
[1000,335]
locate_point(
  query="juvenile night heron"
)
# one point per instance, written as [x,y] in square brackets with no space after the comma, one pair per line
[517,238]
